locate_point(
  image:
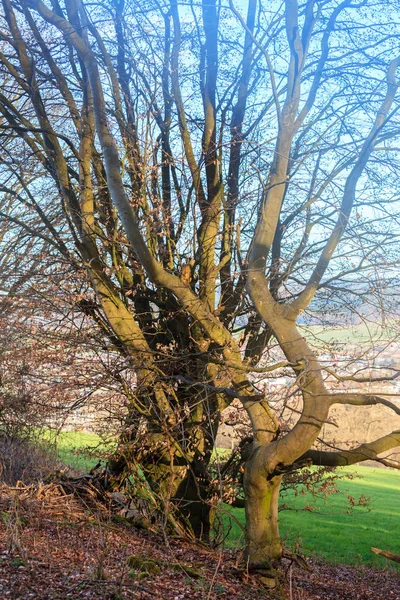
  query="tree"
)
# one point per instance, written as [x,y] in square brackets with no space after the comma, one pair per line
[211,171]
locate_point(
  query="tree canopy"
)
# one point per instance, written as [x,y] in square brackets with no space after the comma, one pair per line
[203,178]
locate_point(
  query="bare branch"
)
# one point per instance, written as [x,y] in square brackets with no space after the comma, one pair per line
[368,451]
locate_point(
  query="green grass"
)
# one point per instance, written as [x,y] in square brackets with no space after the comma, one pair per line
[333,533]
[361,333]
[77,449]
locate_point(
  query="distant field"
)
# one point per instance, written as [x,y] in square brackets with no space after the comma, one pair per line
[364,332]
[330,531]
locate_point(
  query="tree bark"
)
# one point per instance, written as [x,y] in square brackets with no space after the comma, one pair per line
[262,499]
[179,489]
[194,501]
[171,462]
[387,554]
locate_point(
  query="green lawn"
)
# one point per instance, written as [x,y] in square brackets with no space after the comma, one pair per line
[77,449]
[334,534]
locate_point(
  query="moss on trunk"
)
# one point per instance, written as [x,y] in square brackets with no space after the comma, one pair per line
[263,540]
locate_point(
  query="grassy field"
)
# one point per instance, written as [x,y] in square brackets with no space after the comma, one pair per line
[354,334]
[334,533]
[329,530]
[77,449]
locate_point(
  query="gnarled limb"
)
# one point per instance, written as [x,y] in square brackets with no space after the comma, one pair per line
[343,458]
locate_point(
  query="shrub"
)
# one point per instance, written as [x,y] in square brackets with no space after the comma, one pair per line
[24,458]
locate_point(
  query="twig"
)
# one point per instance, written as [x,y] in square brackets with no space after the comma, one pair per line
[215,575]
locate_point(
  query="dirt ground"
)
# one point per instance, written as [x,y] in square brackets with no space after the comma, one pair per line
[53,548]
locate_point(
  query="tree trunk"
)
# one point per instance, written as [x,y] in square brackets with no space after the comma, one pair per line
[194,501]
[177,478]
[263,540]
[176,489]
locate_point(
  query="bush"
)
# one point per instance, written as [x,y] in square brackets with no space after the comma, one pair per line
[24,458]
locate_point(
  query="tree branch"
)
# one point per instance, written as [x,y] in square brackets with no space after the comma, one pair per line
[363,400]
[342,458]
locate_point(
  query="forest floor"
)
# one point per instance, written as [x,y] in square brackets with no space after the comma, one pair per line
[53,547]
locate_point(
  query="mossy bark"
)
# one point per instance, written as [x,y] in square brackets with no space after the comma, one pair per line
[194,501]
[262,500]
[173,479]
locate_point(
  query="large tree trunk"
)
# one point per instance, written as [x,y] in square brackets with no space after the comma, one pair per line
[173,488]
[194,500]
[171,462]
[262,499]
